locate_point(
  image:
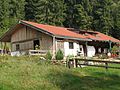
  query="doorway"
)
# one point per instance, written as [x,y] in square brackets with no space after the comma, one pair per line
[36,44]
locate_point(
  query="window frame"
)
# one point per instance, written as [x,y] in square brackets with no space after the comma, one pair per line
[71,45]
[17,47]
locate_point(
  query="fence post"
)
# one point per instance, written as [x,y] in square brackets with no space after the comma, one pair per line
[68,63]
[75,63]
[106,66]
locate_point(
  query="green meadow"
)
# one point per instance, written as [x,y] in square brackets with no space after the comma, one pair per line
[31,73]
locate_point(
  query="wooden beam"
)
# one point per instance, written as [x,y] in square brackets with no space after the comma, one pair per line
[54,46]
[86,44]
[25,40]
[110,46]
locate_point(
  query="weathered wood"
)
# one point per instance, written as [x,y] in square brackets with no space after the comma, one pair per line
[37,52]
[105,63]
[25,36]
[100,66]
[99,60]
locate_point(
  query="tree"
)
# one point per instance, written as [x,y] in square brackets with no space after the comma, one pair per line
[70,10]
[82,19]
[4,15]
[45,11]
[115,32]
[30,10]
[103,21]
[78,14]
[16,8]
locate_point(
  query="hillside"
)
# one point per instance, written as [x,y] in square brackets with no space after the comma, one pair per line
[30,73]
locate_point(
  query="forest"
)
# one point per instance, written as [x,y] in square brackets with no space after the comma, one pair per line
[96,15]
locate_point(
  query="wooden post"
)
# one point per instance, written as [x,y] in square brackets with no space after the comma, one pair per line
[54,46]
[110,46]
[75,63]
[5,48]
[106,66]
[86,44]
[119,50]
[68,64]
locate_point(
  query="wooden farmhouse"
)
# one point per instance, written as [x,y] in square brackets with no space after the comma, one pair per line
[33,38]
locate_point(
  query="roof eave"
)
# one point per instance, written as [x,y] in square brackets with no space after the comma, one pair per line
[106,41]
[7,33]
[73,38]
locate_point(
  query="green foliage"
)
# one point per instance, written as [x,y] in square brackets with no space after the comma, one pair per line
[103,56]
[115,49]
[24,73]
[48,55]
[59,55]
[100,15]
[69,57]
[45,11]
[83,21]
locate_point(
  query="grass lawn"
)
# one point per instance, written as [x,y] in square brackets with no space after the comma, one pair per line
[30,73]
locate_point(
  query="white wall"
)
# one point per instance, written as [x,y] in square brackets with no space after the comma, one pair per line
[73,51]
[90,51]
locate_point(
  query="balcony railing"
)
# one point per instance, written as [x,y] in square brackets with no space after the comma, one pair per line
[37,52]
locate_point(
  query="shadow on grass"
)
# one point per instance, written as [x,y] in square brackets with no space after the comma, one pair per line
[100,81]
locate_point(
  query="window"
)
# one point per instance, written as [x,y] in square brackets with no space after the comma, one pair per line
[80,49]
[17,47]
[71,46]
[36,44]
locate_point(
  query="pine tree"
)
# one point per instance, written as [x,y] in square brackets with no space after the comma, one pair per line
[115,32]
[30,10]
[45,11]
[4,15]
[1,14]
[16,8]
[70,12]
[82,20]
[102,16]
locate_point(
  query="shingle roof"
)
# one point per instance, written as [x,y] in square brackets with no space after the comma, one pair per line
[101,37]
[59,31]
[63,32]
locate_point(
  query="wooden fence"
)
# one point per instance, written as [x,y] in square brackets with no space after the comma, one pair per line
[105,63]
[37,52]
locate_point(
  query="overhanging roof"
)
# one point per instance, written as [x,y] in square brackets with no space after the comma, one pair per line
[60,32]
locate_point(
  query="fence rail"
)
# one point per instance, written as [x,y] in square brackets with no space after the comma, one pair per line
[37,52]
[105,63]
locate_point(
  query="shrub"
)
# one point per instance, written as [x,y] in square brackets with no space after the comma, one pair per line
[59,55]
[69,57]
[103,56]
[115,49]
[48,55]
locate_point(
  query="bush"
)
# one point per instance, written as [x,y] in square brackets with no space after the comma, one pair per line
[115,49]
[103,56]
[48,55]
[59,55]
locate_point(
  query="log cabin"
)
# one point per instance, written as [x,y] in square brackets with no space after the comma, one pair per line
[33,38]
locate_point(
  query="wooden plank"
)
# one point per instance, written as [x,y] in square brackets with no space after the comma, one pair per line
[99,66]
[97,60]
[37,52]
[105,62]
